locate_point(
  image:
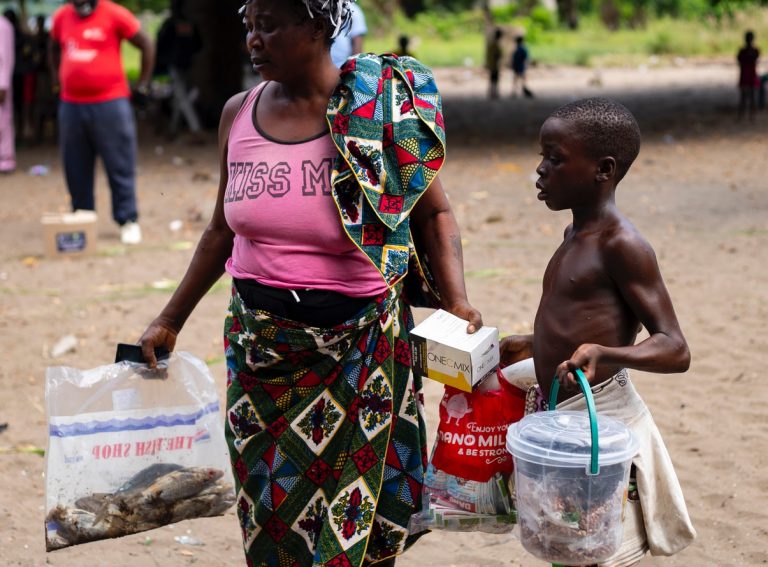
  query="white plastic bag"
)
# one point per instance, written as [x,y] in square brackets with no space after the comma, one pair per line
[131,449]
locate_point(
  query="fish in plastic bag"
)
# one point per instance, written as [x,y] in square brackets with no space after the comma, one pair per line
[132,449]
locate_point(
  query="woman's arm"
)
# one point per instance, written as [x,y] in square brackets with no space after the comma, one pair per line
[435,228]
[207,264]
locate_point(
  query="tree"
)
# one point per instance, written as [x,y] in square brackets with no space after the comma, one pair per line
[568,12]
[218,72]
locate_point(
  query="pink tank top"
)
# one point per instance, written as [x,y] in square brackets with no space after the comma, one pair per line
[278,202]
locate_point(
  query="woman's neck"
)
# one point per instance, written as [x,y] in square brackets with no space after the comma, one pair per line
[318,81]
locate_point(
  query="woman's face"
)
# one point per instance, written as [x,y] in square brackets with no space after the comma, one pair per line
[279,38]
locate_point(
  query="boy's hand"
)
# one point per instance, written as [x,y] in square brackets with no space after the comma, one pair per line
[515,348]
[585,357]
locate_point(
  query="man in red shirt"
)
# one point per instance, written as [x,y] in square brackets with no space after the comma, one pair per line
[95,115]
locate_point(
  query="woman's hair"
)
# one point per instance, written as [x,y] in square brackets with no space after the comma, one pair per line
[337,13]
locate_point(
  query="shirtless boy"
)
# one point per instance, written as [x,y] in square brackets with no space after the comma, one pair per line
[601,287]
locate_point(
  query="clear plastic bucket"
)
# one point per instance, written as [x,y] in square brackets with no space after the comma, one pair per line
[570,491]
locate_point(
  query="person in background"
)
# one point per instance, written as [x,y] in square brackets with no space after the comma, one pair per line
[519,67]
[349,42]
[403,43]
[95,115]
[178,41]
[7,137]
[749,81]
[23,76]
[492,62]
[44,100]
[320,200]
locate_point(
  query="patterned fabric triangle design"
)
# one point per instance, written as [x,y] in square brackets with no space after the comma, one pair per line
[367,110]
[386,121]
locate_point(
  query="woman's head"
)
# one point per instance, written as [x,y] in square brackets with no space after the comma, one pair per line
[335,15]
[287,39]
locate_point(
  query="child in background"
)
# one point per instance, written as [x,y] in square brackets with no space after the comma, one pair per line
[403,46]
[749,82]
[600,288]
[492,63]
[519,65]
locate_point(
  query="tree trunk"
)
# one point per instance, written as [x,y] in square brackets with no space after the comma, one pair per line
[387,8]
[568,12]
[610,15]
[218,69]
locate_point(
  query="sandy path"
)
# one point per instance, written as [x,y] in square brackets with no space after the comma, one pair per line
[698,192]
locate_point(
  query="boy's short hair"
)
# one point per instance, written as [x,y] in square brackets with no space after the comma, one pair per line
[606,127]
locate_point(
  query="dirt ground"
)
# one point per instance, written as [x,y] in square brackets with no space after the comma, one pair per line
[698,192]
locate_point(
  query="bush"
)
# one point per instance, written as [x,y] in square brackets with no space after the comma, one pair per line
[504,14]
[543,18]
[660,43]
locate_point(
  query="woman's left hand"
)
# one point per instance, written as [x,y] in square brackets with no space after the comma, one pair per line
[464,310]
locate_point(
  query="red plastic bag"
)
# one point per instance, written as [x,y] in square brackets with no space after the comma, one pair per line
[466,483]
[471,437]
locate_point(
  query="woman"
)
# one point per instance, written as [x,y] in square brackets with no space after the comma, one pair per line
[324,421]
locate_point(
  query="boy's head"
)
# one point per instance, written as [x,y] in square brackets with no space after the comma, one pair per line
[606,128]
[749,37]
[519,40]
[585,144]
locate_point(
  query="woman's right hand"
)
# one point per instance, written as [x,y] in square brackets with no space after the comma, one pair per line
[515,348]
[158,334]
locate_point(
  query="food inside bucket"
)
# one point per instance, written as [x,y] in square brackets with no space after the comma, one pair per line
[570,486]
[567,517]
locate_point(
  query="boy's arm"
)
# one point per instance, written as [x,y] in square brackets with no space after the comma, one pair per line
[631,263]
[515,348]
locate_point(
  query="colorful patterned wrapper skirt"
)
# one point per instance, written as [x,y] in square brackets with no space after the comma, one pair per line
[326,434]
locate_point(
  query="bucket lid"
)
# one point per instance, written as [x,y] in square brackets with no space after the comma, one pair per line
[563,438]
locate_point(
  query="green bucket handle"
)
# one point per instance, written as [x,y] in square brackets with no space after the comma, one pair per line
[594,466]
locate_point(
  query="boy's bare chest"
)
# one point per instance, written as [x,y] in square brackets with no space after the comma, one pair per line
[576,272]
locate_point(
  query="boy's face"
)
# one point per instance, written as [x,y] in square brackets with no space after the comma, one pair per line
[566,172]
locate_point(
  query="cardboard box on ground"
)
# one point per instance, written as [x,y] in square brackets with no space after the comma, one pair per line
[69,234]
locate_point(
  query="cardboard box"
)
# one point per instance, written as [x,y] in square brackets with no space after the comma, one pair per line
[442,350]
[69,234]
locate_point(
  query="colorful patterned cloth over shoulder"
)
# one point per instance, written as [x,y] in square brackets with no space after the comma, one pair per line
[326,435]
[386,120]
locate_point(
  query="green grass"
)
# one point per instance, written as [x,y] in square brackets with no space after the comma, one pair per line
[462,42]
[457,40]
